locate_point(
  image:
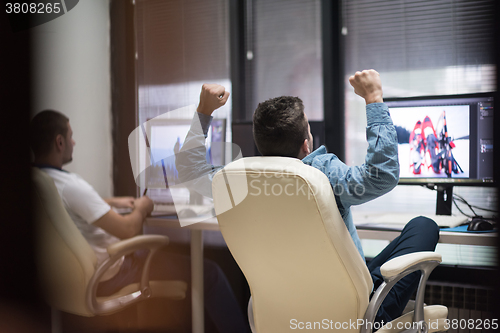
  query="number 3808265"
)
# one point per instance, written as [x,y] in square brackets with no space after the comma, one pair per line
[32,8]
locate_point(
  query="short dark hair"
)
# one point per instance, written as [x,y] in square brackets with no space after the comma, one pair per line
[44,128]
[279,126]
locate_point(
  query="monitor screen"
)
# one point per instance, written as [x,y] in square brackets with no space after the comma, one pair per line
[444,139]
[166,139]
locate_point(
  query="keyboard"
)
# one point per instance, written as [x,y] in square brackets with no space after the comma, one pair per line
[122,211]
[443,221]
[170,209]
[163,209]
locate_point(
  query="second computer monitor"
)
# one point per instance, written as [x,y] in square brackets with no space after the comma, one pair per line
[166,139]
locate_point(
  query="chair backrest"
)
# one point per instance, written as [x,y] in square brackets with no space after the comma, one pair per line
[286,234]
[65,260]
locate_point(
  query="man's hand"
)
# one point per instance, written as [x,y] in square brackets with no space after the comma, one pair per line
[144,204]
[121,202]
[367,84]
[212,97]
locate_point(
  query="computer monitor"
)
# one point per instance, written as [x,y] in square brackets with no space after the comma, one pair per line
[166,137]
[445,140]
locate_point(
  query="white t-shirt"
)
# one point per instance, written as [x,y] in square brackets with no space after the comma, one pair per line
[85,206]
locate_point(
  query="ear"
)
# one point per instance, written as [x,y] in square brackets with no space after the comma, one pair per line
[59,142]
[305,146]
[304,149]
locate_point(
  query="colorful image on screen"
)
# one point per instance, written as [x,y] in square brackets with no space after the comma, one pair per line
[433,141]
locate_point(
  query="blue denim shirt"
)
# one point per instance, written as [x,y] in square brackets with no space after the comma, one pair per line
[352,185]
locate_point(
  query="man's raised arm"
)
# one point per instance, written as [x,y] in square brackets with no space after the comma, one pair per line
[380,172]
[191,161]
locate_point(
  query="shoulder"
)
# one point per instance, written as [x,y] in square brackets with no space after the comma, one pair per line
[79,188]
[78,196]
[82,199]
[67,180]
[324,161]
[61,178]
[320,156]
[318,153]
[71,185]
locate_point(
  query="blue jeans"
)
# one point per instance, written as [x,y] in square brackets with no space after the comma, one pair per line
[420,234]
[220,302]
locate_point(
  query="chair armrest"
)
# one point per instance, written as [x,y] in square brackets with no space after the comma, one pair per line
[250,315]
[136,243]
[396,266]
[393,271]
[116,252]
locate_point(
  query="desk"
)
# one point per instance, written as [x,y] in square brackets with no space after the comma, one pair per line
[198,320]
[372,232]
[446,237]
[367,230]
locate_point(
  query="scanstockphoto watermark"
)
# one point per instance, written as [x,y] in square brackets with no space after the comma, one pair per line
[298,187]
[328,324]
[365,171]
[295,185]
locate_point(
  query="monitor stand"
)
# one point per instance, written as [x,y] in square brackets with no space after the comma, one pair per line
[444,199]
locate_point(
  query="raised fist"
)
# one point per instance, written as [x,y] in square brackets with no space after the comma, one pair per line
[212,97]
[367,84]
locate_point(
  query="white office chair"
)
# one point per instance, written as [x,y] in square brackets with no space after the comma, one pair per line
[67,265]
[280,221]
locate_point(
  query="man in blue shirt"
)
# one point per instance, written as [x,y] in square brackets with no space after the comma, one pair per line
[281,128]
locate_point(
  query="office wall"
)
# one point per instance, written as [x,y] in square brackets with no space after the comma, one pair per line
[72,75]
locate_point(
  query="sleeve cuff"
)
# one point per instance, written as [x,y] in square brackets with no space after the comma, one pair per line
[205,122]
[378,113]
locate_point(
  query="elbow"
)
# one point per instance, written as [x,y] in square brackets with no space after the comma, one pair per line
[391,177]
[131,232]
[125,233]
[396,178]
[132,229]
[391,173]
[385,181]
[392,180]
[395,173]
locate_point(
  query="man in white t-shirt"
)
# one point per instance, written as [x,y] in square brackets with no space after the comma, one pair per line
[52,144]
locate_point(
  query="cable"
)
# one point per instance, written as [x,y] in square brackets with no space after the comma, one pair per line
[461,199]
[465,202]
[461,210]
[485,209]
